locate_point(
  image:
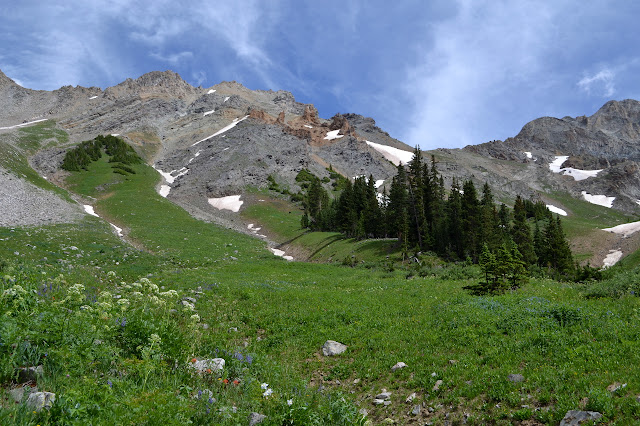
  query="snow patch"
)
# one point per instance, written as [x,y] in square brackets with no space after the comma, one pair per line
[232,202]
[165,175]
[89,210]
[601,200]
[226,99]
[209,112]
[308,127]
[625,229]
[233,124]
[93,97]
[280,253]
[558,210]
[164,190]
[333,135]
[395,155]
[379,183]
[577,174]
[118,230]
[529,155]
[23,124]
[612,258]
[115,134]
[211,92]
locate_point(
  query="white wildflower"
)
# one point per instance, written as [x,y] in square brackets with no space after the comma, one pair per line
[188,306]
[195,318]
[267,392]
[289,402]
[264,386]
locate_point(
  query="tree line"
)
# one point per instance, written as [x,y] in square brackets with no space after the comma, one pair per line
[456,224]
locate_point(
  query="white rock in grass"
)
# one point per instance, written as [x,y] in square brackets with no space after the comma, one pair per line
[202,365]
[331,348]
[39,400]
[410,398]
[437,385]
[384,395]
[398,366]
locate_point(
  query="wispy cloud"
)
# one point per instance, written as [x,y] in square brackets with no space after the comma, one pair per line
[602,82]
[481,54]
[173,58]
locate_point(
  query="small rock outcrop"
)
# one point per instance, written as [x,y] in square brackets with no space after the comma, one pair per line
[39,400]
[331,348]
[398,366]
[577,417]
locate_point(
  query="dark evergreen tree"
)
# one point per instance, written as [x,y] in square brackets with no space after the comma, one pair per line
[521,232]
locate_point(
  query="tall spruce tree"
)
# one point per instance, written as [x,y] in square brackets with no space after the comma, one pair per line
[521,232]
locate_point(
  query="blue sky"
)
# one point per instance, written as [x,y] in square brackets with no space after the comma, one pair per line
[431,73]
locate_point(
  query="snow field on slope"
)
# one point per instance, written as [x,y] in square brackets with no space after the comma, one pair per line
[233,124]
[625,229]
[601,200]
[612,258]
[333,135]
[395,155]
[231,202]
[577,174]
[23,124]
[557,210]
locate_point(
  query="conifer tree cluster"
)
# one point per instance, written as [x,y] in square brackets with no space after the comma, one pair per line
[457,224]
[87,152]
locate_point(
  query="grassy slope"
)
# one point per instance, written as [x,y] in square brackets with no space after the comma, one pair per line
[565,346]
[281,220]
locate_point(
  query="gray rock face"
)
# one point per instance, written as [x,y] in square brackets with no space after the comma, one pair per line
[576,417]
[40,400]
[332,348]
[30,374]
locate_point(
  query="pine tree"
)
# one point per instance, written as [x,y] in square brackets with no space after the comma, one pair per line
[470,208]
[521,233]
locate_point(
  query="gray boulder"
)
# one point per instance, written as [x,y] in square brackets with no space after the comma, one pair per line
[39,400]
[577,417]
[331,348]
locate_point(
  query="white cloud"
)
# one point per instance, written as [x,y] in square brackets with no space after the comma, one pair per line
[174,58]
[602,81]
[479,55]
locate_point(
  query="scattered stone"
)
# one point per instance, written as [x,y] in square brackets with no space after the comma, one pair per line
[417,409]
[204,326]
[255,418]
[356,381]
[378,401]
[363,411]
[190,300]
[434,374]
[384,395]
[437,385]
[388,421]
[233,329]
[410,398]
[453,361]
[577,417]
[30,374]
[202,365]
[387,402]
[431,409]
[614,387]
[398,366]
[515,378]
[331,348]
[39,400]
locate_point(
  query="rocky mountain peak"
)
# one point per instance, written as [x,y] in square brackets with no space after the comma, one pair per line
[6,81]
[167,83]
